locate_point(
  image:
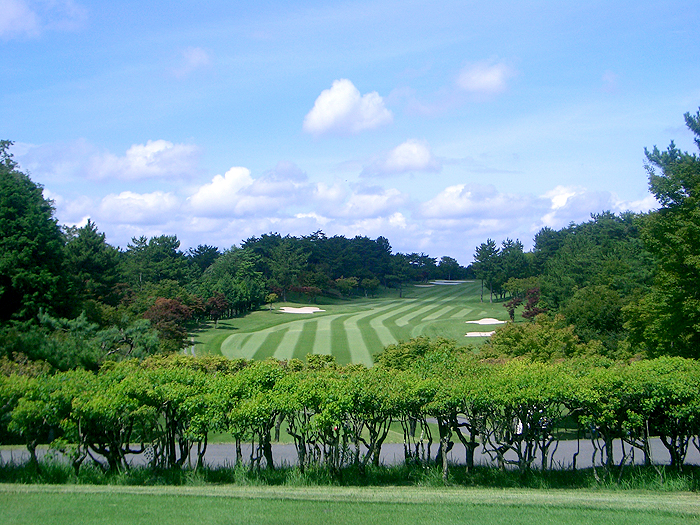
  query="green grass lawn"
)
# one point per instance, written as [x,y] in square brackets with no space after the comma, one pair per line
[86,504]
[353,331]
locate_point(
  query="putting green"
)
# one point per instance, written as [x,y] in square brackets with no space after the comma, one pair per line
[354,331]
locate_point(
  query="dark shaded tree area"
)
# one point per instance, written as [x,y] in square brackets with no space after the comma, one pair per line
[70,299]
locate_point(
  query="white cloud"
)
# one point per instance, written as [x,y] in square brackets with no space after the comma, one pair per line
[30,18]
[193,58]
[474,201]
[64,162]
[128,207]
[561,194]
[575,204]
[342,110]
[220,195]
[329,196]
[403,234]
[238,194]
[410,156]
[55,162]
[485,77]
[472,213]
[155,159]
[370,202]
[319,219]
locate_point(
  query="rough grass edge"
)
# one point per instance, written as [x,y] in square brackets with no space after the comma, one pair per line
[633,478]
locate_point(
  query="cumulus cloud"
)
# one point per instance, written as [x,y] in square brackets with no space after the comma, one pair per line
[128,207]
[410,156]
[220,195]
[474,201]
[155,159]
[342,110]
[575,204]
[30,18]
[485,77]
[472,212]
[193,58]
[237,193]
[369,202]
[64,162]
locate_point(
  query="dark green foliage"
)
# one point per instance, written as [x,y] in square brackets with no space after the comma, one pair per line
[486,266]
[153,260]
[496,266]
[31,246]
[91,264]
[203,256]
[606,251]
[667,320]
[77,343]
[54,471]
[596,313]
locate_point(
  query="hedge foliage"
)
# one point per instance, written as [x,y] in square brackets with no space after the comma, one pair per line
[165,407]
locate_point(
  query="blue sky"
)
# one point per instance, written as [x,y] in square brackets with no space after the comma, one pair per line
[434,124]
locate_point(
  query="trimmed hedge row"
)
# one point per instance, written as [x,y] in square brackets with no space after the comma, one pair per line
[340,416]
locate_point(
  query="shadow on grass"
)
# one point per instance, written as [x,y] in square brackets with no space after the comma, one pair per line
[55,471]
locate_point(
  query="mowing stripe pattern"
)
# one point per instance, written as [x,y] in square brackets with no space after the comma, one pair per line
[354,337]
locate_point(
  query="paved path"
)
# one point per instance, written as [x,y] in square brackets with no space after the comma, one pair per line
[392,453]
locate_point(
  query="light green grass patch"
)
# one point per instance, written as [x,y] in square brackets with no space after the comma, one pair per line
[86,504]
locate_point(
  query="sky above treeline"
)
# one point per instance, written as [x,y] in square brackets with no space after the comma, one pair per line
[435,124]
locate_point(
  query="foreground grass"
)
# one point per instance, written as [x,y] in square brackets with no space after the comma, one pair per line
[51,504]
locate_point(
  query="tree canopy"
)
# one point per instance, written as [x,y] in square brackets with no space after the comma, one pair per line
[31,246]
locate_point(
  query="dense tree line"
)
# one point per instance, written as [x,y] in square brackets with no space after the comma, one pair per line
[628,281]
[515,409]
[69,298]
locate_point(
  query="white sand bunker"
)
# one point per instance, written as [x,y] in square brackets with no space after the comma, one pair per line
[486,320]
[423,285]
[479,334]
[301,310]
[442,281]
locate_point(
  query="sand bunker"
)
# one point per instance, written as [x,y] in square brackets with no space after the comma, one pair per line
[423,285]
[479,334]
[301,310]
[441,281]
[486,320]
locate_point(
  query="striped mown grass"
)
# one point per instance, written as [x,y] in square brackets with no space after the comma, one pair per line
[353,331]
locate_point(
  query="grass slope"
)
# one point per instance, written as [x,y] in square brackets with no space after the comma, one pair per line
[353,331]
[88,504]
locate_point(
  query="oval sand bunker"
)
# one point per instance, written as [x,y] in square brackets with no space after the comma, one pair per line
[486,320]
[301,310]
